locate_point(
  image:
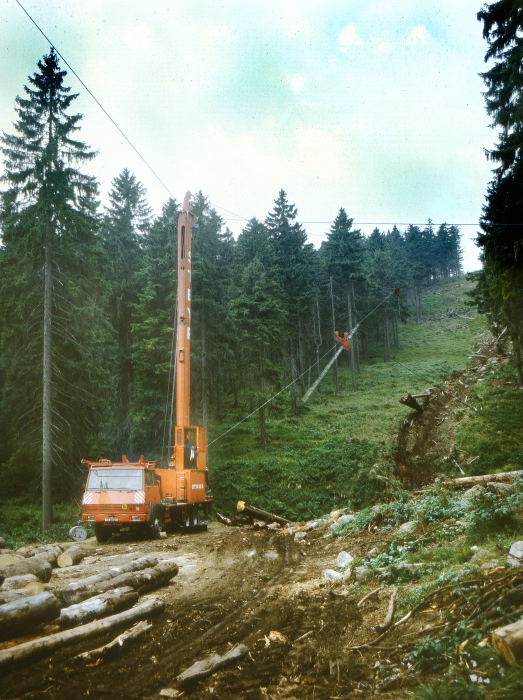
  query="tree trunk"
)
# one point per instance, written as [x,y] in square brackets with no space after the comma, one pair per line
[352,352]
[47,552]
[204,379]
[254,512]
[31,590]
[47,382]
[136,631]
[47,645]
[466,481]
[508,642]
[34,565]
[72,556]
[140,581]
[517,357]
[294,392]
[28,612]
[100,606]
[335,367]
[16,582]
[386,338]
[263,429]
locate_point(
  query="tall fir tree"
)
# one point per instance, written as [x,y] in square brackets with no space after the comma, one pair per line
[48,220]
[126,222]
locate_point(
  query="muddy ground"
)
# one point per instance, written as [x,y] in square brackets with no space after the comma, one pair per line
[235,585]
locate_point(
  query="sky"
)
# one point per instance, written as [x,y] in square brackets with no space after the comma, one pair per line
[372,106]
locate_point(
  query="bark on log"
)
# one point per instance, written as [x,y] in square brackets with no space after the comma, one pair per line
[136,631]
[222,519]
[204,668]
[508,641]
[71,557]
[47,645]
[411,402]
[14,582]
[254,512]
[99,606]
[140,581]
[34,565]
[47,552]
[28,612]
[466,481]
[19,593]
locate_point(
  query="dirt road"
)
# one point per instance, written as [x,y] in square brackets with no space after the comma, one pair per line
[236,585]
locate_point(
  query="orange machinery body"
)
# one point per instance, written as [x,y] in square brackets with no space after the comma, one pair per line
[151,498]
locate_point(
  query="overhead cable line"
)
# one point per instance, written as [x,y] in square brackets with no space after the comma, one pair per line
[96,100]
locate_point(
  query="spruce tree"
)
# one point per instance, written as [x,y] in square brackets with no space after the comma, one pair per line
[126,222]
[47,211]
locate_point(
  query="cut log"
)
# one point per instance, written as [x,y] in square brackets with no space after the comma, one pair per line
[260,514]
[34,565]
[47,645]
[136,631]
[389,617]
[19,593]
[140,581]
[28,612]
[8,558]
[146,562]
[71,557]
[204,668]
[100,606]
[466,481]
[411,402]
[222,519]
[508,641]
[14,582]
[47,552]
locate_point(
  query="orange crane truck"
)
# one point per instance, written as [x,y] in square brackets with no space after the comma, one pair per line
[138,496]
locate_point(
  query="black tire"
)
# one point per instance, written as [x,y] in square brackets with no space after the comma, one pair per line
[102,533]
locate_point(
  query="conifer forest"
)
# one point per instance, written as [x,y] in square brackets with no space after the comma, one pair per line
[87,302]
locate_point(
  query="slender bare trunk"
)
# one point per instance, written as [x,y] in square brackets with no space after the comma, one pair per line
[318,342]
[263,428]
[517,358]
[335,366]
[294,374]
[204,384]
[386,339]
[352,352]
[47,381]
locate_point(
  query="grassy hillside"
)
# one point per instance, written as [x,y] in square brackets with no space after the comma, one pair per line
[340,450]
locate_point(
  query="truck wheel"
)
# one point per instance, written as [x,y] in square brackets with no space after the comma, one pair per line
[102,534]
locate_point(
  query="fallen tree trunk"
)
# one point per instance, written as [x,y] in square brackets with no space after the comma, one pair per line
[8,558]
[204,668]
[466,481]
[99,606]
[136,631]
[28,612]
[508,641]
[140,581]
[34,565]
[46,645]
[260,514]
[222,519]
[410,401]
[15,582]
[71,557]
[47,552]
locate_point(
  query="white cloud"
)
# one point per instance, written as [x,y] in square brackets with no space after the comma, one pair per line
[320,153]
[138,38]
[418,35]
[349,37]
[297,82]
[382,47]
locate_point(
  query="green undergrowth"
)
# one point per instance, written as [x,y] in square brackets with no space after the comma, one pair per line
[339,449]
[21,523]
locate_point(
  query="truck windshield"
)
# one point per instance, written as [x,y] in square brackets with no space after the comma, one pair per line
[115,480]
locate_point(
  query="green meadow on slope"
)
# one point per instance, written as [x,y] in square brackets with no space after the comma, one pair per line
[339,450]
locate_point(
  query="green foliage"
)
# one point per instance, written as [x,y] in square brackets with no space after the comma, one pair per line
[492,513]
[456,690]
[432,654]
[20,523]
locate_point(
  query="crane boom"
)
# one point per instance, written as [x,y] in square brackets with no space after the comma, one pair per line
[183,350]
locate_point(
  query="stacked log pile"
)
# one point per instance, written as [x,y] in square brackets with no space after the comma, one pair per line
[92,605]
